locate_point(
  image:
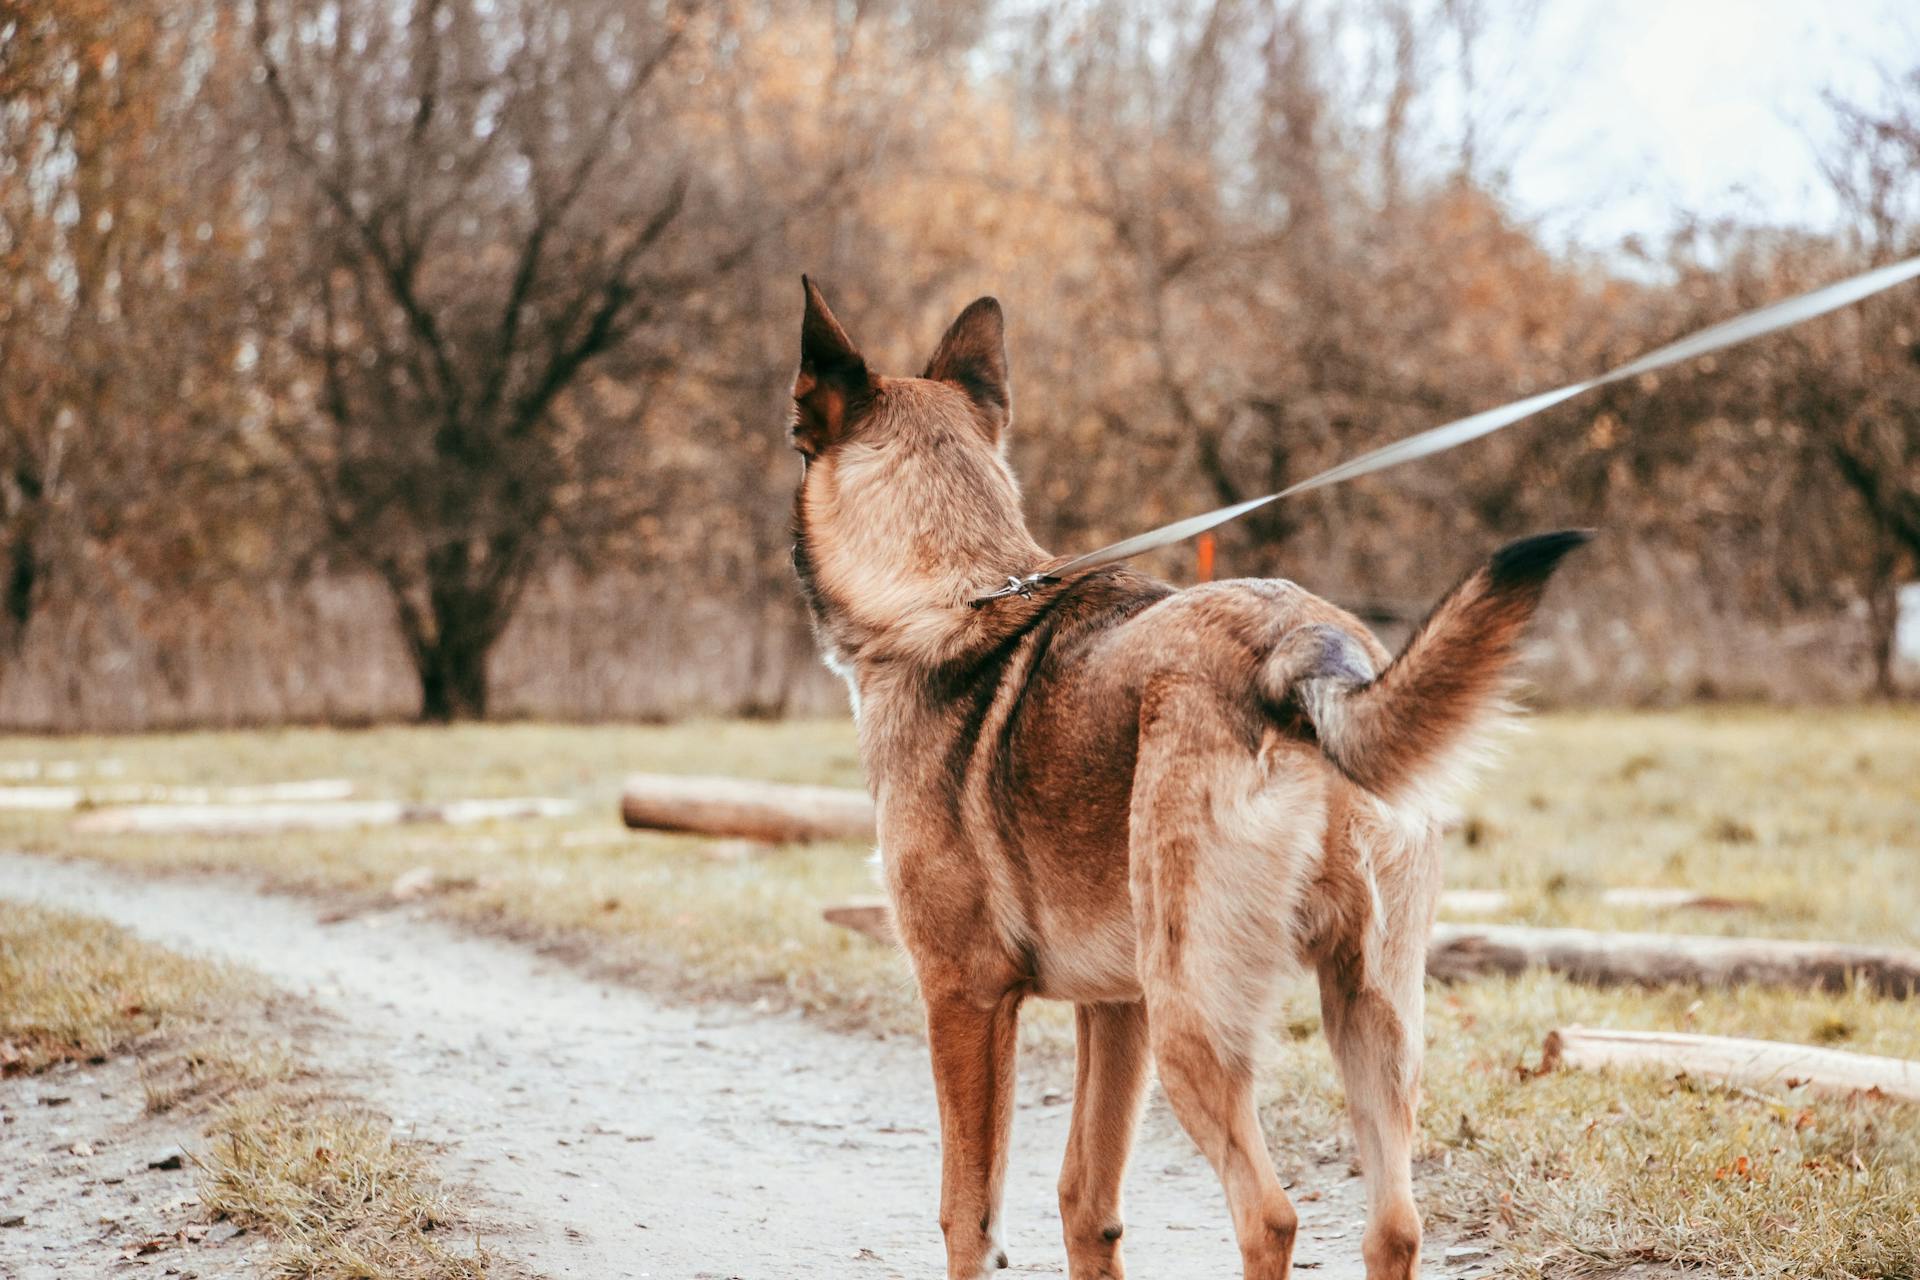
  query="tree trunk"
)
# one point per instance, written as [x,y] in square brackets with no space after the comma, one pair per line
[449,640]
[23,574]
[21,571]
[453,677]
[1883,615]
[467,608]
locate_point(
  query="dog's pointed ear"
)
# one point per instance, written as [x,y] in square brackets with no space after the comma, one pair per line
[833,381]
[973,357]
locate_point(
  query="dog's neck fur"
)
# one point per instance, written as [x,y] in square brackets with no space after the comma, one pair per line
[897,530]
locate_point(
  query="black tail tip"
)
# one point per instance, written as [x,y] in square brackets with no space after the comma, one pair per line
[1531,561]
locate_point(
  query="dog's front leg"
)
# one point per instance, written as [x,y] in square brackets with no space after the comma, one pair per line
[973,1056]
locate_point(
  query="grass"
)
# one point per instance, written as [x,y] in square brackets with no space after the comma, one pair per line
[1595,1169]
[325,1179]
[75,990]
[1813,816]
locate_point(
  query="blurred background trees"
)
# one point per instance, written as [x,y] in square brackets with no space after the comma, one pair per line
[485,220]
[364,358]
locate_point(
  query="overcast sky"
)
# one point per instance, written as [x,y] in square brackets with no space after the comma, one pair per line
[1655,106]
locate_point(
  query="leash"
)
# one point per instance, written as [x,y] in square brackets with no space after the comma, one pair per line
[1451,435]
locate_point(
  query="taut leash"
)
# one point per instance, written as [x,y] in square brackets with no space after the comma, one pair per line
[1451,435]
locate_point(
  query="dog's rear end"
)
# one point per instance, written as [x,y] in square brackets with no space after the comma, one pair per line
[1320,848]
[1419,726]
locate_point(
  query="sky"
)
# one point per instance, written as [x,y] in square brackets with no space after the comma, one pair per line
[1649,108]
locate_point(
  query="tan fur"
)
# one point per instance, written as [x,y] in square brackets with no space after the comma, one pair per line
[1154,804]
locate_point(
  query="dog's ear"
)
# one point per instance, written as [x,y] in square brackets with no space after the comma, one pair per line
[973,357]
[833,381]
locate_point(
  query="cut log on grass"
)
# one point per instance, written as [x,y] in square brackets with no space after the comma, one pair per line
[1475,902]
[1665,898]
[254,819]
[1751,1064]
[58,770]
[769,811]
[1603,959]
[1489,902]
[1655,959]
[55,799]
[863,915]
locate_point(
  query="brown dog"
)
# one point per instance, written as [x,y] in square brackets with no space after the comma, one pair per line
[1153,803]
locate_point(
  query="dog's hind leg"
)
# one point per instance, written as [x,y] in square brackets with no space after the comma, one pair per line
[1212,1094]
[1371,1001]
[973,1075]
[1219,842]
[1110,1078]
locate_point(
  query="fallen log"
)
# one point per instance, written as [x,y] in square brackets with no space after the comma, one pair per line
[54,799]
[1604,959]
[337,815]
[1751,1064]
[1475,902]
[1488,902]
[1655,959]
[863,915]
[768,811]
[59,770]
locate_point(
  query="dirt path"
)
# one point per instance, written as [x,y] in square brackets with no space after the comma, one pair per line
[609,1134]
[91,1181]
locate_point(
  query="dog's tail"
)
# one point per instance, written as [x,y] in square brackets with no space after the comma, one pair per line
[1415,729]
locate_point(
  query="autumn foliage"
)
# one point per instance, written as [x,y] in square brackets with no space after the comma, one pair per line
[362,358]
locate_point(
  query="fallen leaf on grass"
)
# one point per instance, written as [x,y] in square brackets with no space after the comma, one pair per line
[1740,1168]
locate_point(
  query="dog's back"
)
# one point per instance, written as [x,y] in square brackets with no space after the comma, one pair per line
[1262,703]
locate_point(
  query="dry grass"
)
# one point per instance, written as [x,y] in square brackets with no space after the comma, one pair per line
[1582,1171]
[1813,815]
[339,1194]
[326,1180]
[73,989]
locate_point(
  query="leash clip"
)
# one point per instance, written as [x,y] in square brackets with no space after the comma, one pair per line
[1022,587]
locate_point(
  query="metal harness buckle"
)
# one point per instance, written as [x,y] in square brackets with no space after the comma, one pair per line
[1022,587]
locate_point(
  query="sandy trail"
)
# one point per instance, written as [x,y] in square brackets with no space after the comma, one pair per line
[606,1133]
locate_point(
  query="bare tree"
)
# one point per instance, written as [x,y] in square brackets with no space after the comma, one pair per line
[497,206]
[117,232]
[1862,399]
